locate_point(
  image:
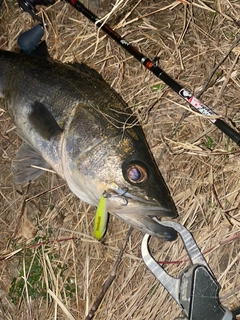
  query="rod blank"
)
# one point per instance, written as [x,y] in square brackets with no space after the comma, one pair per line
[175,86]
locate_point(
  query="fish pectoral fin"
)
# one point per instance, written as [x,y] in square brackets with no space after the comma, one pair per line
[28,165]
[43,121]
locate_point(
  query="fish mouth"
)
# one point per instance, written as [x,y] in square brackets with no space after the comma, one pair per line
[144,214]
[150,210]
[132,204]
[147,222]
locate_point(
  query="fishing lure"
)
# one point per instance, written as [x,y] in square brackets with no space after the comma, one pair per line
[101,218]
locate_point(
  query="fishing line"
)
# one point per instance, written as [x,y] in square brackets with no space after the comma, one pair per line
[195,103]
[28,43]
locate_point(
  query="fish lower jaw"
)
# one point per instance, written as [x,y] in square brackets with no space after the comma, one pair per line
[141,211]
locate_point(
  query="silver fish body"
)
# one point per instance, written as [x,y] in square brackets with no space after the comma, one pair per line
[73,122]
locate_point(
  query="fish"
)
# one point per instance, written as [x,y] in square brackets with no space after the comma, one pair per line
[72,121]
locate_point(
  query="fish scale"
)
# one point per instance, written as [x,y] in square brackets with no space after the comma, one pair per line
[72,121]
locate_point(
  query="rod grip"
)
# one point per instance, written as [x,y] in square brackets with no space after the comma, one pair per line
[29,40]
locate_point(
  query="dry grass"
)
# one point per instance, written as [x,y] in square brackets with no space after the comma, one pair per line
[199,163]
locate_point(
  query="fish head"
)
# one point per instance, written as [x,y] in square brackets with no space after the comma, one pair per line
[100,159]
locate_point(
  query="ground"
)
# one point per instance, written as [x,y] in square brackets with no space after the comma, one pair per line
[51,265]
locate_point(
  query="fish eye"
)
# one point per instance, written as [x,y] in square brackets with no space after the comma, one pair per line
[136,173]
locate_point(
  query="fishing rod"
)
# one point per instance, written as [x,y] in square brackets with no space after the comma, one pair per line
[195,103]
